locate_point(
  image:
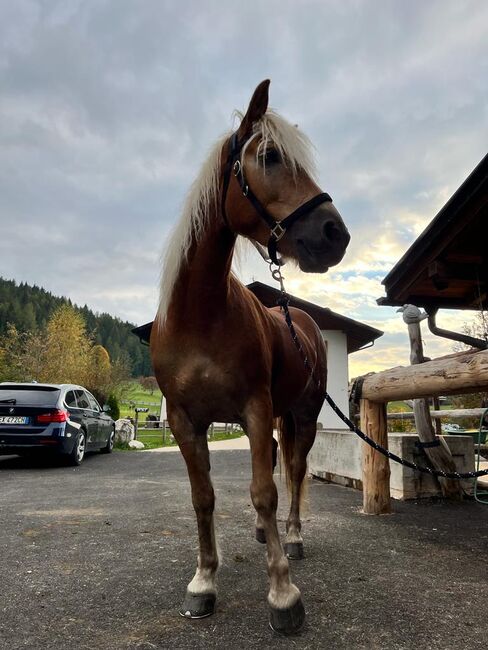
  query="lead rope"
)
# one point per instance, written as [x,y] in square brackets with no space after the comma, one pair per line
[283,302]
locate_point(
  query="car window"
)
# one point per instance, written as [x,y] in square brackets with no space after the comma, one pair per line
[93,402]
[82,399]
[70,399]
[28,395]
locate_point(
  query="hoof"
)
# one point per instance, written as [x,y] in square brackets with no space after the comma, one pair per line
[287,621]
[198,605]
[294,550]
[260,535]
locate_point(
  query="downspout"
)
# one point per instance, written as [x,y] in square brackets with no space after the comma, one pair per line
[454,336]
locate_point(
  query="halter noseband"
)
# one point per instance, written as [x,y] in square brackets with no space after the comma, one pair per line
[278,228]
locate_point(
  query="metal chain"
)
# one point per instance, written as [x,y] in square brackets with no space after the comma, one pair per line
[283,302]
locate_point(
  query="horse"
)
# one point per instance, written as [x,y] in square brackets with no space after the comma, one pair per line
[220,355]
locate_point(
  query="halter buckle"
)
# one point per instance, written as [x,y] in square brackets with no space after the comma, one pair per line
[245,190]
[278,231]
[237,167]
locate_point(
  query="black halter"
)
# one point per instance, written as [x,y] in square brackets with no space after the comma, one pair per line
[278,228]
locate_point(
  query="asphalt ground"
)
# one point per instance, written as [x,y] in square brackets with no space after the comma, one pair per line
[99,557]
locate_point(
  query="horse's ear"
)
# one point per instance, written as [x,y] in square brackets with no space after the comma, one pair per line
[257,108]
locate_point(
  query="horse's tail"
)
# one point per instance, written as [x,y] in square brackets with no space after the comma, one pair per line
[286,438]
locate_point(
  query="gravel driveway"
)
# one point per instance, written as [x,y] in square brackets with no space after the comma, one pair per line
[99,556]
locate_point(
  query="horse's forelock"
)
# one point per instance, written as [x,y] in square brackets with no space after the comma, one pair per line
[293,145]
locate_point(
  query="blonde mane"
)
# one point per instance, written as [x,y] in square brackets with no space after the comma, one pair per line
[297,153]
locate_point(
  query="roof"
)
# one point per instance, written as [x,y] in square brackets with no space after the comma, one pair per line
[447,265]
[358,334]
[35,384]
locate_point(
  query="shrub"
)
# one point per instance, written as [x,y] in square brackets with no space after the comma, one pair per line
[113,404]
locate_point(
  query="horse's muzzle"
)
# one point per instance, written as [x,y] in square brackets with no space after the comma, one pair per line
[320,240]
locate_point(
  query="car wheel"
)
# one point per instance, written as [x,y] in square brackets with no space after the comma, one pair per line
[78,453]
[110,444]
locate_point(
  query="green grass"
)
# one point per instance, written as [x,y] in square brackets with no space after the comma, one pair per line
[136,393]
[154,438]
[398,407]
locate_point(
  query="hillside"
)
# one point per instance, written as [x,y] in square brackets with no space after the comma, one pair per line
[29,308]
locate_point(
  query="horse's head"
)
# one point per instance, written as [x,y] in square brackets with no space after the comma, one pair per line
[271,181]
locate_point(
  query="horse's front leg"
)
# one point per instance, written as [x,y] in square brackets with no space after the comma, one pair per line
[201,591]
[286,609]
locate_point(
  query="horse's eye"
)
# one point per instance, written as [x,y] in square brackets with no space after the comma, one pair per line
[272,157]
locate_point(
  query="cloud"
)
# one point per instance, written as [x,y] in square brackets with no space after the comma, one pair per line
[108,111]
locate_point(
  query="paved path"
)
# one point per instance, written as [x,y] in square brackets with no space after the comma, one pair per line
[97,558]
[217,445]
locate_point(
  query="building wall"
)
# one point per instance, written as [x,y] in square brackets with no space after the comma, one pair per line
[337,378]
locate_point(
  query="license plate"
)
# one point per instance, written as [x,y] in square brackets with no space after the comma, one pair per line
[13,419]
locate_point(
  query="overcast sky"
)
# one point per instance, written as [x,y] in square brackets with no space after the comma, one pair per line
[109,107]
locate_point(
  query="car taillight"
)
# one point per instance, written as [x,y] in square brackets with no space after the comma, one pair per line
[54,416]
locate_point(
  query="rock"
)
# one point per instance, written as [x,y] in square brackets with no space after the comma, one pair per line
[136,444]
[124,431]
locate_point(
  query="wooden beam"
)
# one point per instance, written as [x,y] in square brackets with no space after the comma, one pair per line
[376,467]
[446,413]
[453,271]
[464,373]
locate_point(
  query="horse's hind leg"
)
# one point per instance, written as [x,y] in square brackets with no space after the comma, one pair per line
[201,591]
[260,534]
[286,609]
[304,436]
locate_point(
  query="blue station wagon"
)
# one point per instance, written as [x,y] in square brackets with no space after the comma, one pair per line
[63,418]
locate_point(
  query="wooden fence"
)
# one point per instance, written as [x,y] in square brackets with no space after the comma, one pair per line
[464,372]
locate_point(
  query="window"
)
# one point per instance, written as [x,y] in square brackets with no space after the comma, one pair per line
[29,395]
[82,399]
[70,399]
[93,402]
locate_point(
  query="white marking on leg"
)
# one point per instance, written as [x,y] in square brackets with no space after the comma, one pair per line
[293,536]
[285,598]
[203,582]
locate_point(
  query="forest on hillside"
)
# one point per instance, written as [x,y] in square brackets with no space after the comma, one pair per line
[29,309]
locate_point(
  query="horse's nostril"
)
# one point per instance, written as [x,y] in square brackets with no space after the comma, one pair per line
[331,231]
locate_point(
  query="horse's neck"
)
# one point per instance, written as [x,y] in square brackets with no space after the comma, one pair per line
[201,289]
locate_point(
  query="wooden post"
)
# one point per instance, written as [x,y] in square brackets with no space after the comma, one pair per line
[136,422]
[376,467]
[437,422]
[439,456]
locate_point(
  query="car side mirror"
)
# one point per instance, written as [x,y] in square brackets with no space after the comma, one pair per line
[105,408]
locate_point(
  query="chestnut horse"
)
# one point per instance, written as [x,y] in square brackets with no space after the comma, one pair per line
[220,355]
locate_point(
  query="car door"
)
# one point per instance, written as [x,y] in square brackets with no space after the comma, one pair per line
[89,418]
[98,413]
[75,413]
